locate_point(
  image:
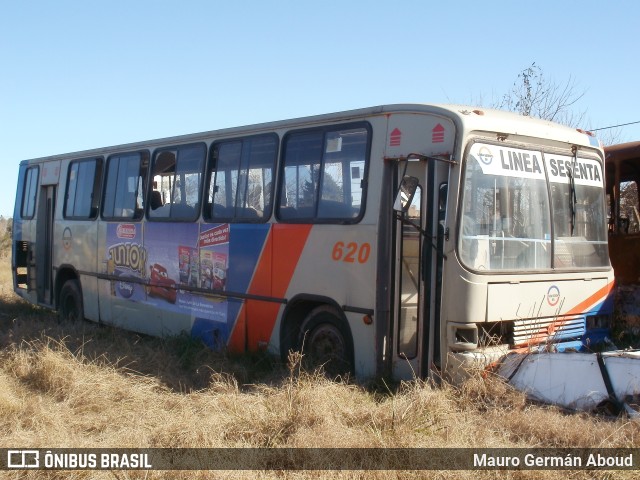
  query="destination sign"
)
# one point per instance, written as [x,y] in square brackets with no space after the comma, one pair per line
[508,162]
[585,171]
[516,162]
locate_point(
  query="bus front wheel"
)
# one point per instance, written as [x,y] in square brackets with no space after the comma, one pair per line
[71,308]
[324,342]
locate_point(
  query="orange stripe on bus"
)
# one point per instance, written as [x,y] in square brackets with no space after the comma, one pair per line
[597,297]
[549,331]
[272,276]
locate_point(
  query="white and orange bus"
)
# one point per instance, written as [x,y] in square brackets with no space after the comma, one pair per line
[391,240]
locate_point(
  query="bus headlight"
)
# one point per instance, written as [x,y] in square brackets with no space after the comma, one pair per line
[462,336]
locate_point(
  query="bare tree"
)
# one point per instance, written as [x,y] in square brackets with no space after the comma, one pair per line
[534,95]
[609,136]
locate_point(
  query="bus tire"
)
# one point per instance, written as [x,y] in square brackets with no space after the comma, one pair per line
[325,343]
[71,308]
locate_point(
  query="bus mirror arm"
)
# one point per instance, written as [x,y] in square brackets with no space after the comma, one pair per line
[406,221]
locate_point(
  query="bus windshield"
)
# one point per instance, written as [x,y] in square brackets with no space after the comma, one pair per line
[529,210]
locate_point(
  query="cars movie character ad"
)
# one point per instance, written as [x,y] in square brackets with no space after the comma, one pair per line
[181,260]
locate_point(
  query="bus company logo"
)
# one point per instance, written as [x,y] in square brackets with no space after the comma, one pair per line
[485,156]
[126,230]
[66,238]
[553,295]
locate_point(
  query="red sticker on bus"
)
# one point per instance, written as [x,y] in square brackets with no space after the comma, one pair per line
[395,138]
[215,236]
[126,230]
[437,134]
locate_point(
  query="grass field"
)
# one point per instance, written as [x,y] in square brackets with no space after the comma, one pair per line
[85,385]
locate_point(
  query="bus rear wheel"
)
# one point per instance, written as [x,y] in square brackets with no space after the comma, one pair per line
[71,308]
[324,342]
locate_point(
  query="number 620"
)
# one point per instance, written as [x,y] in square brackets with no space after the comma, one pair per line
[351,252]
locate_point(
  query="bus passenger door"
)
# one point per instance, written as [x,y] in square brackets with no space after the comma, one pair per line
[44,244]
[418,266]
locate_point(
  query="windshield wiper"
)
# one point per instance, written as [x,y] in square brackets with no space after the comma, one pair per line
[572,192]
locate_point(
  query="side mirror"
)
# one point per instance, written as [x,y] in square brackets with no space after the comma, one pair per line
[408,188]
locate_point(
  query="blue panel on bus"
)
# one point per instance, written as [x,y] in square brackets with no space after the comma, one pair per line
[596,336]
[245,247]
[606,307]
[211,333]
[233,270]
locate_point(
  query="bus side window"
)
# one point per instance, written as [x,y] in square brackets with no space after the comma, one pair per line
[30,191]
[324,175]
[83,189]
[240,179]
[177,177]
[124,186]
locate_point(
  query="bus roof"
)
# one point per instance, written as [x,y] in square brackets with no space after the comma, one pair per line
[622,151]
[467,118]
[627,158]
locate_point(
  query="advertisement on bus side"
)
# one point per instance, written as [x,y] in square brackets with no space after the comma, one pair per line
[167,264]
[126,259]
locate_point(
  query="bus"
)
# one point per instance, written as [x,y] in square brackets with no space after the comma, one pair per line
[622,171]
[394,241]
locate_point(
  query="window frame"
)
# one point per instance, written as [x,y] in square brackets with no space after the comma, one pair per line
[26,190]
[111,157]
[96,194]
[584,153]
[212,167]
[555,237]
[364,179]
[151,175]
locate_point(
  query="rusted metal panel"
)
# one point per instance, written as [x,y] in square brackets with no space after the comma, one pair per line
[622,164]
[624,156]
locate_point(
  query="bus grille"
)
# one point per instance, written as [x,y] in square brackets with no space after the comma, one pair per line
[538,330]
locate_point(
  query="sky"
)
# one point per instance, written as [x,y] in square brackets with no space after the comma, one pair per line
[76,74]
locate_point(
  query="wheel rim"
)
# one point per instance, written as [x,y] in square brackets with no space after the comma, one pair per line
[326,347]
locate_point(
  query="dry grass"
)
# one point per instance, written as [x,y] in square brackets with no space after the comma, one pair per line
[65,385]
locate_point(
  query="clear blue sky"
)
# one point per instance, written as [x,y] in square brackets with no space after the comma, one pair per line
[79,74]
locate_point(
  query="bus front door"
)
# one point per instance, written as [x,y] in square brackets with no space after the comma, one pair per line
[418,265]
[44,244]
